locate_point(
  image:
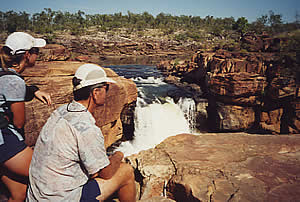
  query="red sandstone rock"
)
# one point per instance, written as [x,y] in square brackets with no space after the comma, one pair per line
[55,78]
[237,84]
[222,167]
[243,80]
[54,52]
[82,58]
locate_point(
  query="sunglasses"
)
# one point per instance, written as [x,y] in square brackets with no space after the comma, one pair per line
[103,85]
[34,50]
[106,87]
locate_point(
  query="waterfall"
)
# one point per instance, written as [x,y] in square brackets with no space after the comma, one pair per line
[156,121]
[157,116]
[188,107]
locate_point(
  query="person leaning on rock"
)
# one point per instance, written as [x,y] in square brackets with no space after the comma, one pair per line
[69,161]
[20,51]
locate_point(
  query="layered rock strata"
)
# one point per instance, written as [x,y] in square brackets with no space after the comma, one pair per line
[56,79]
[120,50]
[244,90]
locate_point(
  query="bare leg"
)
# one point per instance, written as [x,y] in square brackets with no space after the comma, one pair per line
[19,164]
[122,182]
[15,172]
[17,189]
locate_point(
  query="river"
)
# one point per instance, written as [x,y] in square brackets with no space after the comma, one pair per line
[159,113]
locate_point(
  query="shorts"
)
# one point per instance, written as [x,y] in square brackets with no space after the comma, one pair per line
[12,145]
[90,191]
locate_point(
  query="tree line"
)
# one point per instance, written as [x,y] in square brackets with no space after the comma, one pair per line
[49,21]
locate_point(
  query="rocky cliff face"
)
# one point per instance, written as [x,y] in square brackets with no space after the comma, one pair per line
[103,49]
[245,91]
[221,167]
[56,79]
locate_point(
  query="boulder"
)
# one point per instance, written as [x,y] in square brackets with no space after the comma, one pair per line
[221,167]
[56,79]
[234,118]
[237,84]
[256,83]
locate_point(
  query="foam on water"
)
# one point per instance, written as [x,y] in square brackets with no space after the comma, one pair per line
[157,116]
[158,120]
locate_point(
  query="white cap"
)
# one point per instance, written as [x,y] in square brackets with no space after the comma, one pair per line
[19,42]
[91,74]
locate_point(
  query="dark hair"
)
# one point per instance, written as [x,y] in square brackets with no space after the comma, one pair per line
[75,81]
[7,59]
[82,93]
[34,50]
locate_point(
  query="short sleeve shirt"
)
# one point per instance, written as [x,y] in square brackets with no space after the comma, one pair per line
[69,149]
[12,89]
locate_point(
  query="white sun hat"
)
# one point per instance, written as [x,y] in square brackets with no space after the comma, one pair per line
[91,74]
[19,42]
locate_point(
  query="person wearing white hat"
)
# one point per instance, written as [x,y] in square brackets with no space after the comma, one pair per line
[20,42]
[70,162]
[20,51]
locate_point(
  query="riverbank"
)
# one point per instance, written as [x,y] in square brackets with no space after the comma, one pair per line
[221,167]
[215,166]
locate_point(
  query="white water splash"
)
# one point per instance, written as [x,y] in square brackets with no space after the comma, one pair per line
[150,80]
[188,107]
[155,122]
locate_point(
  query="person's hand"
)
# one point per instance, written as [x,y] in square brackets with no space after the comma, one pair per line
[43,97]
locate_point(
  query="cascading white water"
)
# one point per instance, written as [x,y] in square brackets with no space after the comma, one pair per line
[157,116]
[188,107]
[159,119]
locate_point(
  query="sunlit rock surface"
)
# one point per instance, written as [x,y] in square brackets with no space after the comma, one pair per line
[56,79]
[243,89]
[221,167]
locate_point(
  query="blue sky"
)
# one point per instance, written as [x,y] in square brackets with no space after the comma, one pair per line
[251,9]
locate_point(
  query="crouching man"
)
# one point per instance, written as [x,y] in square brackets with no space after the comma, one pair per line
[69,162]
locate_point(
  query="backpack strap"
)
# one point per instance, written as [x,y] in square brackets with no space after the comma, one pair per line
[3,73]
[5,109]
[30,90]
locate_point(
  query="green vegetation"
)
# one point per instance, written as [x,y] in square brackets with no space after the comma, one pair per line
[180,27]
[241,25]
[290,54]
[208,33]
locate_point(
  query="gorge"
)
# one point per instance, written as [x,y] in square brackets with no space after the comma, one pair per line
[225,164]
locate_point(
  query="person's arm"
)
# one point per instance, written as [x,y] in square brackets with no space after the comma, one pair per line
[43,97]
[30,91]
[34,91]
[109,171]
[18,110]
